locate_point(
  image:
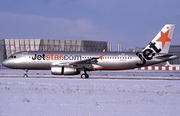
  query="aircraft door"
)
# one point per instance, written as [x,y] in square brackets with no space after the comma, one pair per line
[24,57]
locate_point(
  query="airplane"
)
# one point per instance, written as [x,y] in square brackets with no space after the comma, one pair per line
[73,63]
[171,65]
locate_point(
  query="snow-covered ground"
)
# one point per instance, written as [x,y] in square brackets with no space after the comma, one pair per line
[99,95]
[88,97]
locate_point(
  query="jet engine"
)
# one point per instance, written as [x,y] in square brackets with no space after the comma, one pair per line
[64,70]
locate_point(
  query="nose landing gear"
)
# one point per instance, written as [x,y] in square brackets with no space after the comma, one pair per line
[25,74]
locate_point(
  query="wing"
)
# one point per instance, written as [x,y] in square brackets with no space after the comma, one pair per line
[86,63]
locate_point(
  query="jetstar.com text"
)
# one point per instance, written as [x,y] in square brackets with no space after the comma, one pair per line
[55,57]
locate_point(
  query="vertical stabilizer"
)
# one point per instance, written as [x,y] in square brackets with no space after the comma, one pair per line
[162,41]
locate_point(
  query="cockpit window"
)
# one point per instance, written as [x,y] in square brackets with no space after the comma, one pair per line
[12,56]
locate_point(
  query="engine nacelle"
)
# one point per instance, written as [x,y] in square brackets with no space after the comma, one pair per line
[64,70]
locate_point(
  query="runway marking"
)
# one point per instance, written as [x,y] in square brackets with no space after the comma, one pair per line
[165,68]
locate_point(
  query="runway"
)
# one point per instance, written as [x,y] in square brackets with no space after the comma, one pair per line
[125,74]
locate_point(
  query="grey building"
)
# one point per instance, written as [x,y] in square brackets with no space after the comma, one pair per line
[10,46]
[175,50]
[2,51]
[120,47]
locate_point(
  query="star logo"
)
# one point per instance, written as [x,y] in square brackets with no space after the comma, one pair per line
[164,38]
[100,57]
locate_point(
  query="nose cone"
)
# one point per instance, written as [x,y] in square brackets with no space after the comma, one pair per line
[5,63]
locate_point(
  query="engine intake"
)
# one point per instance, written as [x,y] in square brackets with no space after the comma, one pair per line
[64,70]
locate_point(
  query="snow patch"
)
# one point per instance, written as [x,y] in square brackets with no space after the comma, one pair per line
[56,96]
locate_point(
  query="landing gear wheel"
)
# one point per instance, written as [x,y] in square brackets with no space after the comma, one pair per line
[83,76]
[25,75]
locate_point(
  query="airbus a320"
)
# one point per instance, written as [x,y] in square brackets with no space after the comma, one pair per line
[74,63]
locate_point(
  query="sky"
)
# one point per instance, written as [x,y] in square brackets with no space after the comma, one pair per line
[131,22]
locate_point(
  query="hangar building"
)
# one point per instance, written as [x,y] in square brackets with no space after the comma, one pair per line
[10,46]
[175,50]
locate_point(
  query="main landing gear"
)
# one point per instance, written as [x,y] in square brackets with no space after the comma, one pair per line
[84,75]
[25,74]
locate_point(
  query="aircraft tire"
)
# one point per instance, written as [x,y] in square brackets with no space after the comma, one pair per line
[25,75]
[87,76]
[83,76]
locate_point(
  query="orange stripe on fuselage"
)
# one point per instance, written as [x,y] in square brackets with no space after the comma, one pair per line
[49,68]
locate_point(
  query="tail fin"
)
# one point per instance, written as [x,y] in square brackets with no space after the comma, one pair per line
[162,41]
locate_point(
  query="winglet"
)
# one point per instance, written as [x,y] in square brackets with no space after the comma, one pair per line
[100,57]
